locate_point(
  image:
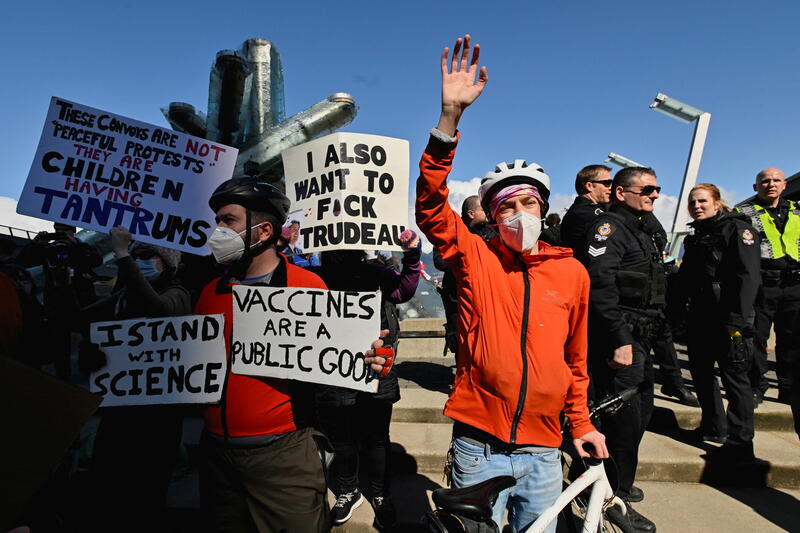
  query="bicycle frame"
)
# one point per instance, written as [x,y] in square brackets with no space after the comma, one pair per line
[601,491]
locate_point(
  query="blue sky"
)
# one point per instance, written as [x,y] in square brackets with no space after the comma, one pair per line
[569,81]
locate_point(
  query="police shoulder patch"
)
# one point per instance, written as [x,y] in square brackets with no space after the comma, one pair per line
[603,231]
[747,237]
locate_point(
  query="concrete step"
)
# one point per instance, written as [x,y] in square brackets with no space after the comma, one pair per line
[418,404]
[433,325]
[420,347]
[422,448]
[421,338]
[674,507]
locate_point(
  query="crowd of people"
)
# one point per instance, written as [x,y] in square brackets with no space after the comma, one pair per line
[593,300]
[264,447]
[541,320]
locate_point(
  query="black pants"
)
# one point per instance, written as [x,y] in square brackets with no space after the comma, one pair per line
[365,426]
[135,450]
[666,356]
[624,429]
[707,346]
[275,488]
[779,303]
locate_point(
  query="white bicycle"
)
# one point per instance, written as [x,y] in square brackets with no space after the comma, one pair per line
[469,509]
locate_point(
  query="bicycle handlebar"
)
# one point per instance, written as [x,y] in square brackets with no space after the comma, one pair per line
[613,402]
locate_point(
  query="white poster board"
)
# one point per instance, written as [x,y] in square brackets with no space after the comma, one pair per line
[154,361]
[97,170]
[352,189]
[305,334]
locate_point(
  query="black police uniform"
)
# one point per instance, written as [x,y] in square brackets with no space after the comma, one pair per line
[664,345]
[576,222]
[626,302]
[720,278]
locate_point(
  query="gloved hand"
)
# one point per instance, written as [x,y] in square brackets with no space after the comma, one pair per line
[412,246]
[380,357]
[90,357]
[410,240]
[388,354]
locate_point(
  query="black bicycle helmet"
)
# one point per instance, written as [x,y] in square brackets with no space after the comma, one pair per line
[251,194]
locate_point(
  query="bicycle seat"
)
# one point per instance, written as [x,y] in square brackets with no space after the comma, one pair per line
[474,502]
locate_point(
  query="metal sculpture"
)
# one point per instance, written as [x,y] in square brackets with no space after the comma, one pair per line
[246,111]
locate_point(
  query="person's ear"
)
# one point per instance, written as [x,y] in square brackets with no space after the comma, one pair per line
[265,231]
[755,187]
[618,193]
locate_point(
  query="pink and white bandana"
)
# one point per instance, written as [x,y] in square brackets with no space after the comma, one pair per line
[511,191]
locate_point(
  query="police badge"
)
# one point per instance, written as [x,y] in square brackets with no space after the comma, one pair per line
[603,231]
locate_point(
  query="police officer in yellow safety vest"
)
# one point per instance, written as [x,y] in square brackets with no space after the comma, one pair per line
[778,222]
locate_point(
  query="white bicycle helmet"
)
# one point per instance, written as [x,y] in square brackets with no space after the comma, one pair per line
[519,171]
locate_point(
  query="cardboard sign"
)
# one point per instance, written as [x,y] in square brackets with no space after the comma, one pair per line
[160,360]
[42,416]
[305,334]
[97,170]
[352,189]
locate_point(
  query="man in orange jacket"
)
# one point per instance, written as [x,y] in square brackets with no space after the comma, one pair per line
[522,318]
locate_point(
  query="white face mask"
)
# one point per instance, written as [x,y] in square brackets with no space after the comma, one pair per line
[227,245]
[520,231]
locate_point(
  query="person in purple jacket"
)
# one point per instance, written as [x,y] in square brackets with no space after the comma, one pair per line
[349,417]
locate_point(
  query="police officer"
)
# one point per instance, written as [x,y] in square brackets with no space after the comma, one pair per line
[777,222]
[625,303]
[593,185]
[720,275]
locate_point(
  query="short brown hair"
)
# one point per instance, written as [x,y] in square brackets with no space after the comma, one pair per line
[587,174]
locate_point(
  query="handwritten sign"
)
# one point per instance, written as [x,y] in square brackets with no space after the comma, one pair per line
[305,334]
[352,189]
[98,170]
[160,360]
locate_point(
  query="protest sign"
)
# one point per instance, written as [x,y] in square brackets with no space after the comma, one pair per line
[42,415]
[160,360]
[97,170]
[305,334]
[352,189]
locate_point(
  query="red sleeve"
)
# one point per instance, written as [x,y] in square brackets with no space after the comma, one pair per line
[575,354]
[437,220]
[203,305]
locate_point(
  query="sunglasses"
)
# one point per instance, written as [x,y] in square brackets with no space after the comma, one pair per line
[607,183]
[647,190]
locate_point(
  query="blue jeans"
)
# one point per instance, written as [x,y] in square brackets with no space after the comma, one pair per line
[538,475]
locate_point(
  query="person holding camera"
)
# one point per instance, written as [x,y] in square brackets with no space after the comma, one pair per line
[68,286]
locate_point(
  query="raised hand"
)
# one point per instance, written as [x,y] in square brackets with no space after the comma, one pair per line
[120,240]
[459,86]
[409,240]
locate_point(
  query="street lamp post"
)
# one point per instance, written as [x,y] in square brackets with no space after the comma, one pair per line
[622,161]
[702,119]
